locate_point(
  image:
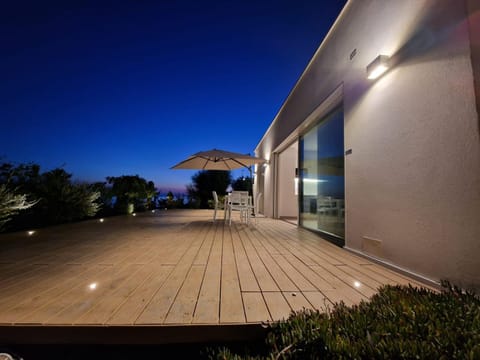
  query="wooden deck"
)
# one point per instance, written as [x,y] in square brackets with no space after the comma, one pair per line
[174,270]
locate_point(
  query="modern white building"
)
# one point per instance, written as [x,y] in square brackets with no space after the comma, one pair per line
[389,167]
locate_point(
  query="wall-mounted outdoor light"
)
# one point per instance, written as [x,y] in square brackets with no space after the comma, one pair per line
[378,66]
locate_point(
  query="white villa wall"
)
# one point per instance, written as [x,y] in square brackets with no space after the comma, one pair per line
[287,200]
[413,179]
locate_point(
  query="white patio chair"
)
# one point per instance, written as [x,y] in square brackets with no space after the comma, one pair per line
[216,205]
[253,208]
[325,205]
[238,201]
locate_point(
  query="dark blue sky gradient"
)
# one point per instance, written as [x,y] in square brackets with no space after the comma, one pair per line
[110,88]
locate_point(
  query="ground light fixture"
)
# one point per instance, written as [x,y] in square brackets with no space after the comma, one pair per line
[92,286]
[30,232]
[378,67]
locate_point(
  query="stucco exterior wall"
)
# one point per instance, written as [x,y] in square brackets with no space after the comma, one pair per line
[287,200]
[412,181]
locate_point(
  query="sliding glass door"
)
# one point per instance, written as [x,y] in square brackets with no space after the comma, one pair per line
[322,176]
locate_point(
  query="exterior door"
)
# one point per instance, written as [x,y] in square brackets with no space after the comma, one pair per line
[322,176]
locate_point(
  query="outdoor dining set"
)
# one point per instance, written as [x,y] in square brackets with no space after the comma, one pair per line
[239,201]
[221,160]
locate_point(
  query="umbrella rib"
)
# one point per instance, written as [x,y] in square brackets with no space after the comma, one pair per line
[240,163]
[206,162]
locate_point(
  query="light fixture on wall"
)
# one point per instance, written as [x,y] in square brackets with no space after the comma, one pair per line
[378,66]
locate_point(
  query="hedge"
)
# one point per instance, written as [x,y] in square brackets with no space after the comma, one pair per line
[399,322]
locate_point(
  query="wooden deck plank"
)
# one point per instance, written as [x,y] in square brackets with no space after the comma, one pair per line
[297,277]
[281,279]
[129,311]
[313,277]
[365,277]
[20,278]
[303,258]
[67,295]
[366,270]
[337,255]
[207,310]
[86,300]
[105,307]
[264,278]
[261,236]
[282,241]
[255,308]
[339,279]
[277,305]
[204,252]
[157,309]
[24,280]
[248,282]
[399,278]
[31,299]
[335,296]
[182,309]
[231,302]
[318,300]
[297,301]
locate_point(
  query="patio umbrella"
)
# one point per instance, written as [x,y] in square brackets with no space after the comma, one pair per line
[217,160]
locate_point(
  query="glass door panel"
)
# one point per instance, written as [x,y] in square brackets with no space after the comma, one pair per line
[322,176]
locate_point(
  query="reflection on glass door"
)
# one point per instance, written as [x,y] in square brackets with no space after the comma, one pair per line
[322,176]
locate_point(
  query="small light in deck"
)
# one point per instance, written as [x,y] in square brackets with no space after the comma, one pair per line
[357,284]
[92,286]
[102,220]
[153,211]
[134,214]
[30,232]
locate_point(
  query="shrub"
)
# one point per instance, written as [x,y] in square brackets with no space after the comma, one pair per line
[398,322]
[11,204]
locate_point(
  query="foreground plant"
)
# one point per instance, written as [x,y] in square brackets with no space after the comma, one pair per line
[398,322]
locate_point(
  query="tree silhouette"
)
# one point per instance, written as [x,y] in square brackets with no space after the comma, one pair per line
[59,198]
[11,204]
[131,192]
[206,181]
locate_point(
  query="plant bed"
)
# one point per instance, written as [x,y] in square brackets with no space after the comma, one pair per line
[399,322]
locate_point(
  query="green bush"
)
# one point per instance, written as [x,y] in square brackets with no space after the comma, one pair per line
[398,322]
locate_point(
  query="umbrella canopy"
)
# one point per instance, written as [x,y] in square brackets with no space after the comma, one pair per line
[217,160]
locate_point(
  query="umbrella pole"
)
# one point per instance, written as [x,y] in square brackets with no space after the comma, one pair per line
[251,188]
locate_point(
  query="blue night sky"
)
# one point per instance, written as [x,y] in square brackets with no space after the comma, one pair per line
[110,88]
